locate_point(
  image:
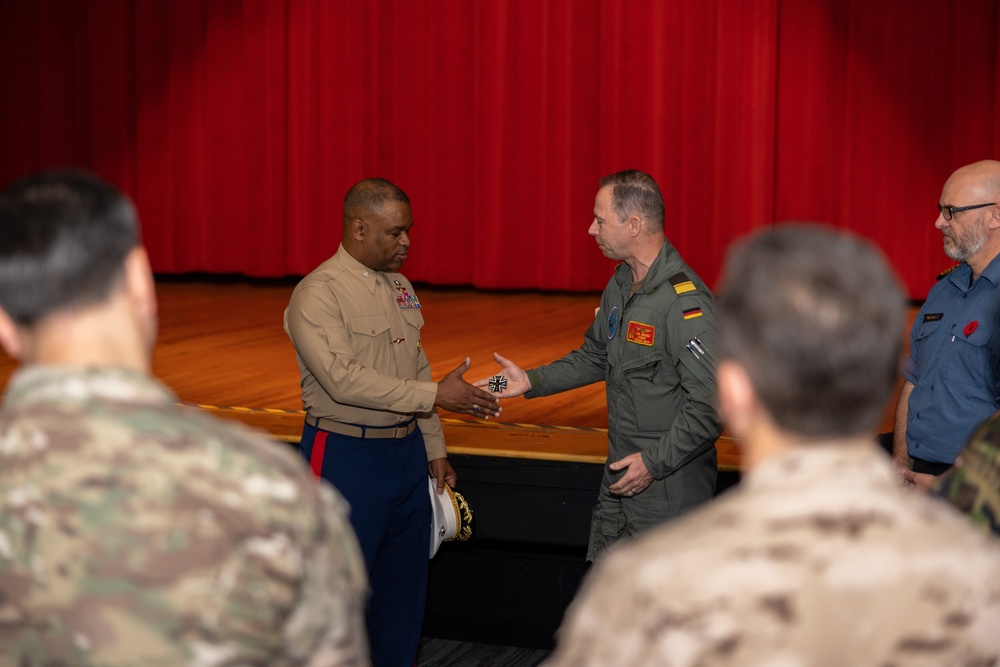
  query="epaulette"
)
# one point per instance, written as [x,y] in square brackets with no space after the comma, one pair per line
[947,271]
[682,283]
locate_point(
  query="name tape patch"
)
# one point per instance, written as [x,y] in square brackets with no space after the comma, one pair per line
[640,333]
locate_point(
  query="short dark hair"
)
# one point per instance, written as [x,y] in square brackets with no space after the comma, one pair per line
[369,195]
[634,191]
[815,316]
[64,237]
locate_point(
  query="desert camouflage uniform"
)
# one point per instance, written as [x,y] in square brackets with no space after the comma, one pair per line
[817,559]
[973,484]
[136,532]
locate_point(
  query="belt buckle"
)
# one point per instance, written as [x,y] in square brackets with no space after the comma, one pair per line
[399,432]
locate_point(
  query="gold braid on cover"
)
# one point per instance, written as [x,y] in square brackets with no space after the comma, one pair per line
[464,513]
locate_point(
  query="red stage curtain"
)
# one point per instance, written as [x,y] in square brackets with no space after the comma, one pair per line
[878,102]
[238,125]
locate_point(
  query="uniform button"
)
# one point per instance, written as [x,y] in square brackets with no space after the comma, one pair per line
[373,332]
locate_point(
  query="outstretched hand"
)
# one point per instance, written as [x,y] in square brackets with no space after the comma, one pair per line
[517,379]
[457,395]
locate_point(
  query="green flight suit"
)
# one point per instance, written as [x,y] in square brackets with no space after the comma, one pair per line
[655,353]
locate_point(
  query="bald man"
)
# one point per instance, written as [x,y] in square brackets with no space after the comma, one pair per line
[952,376]
[371,428]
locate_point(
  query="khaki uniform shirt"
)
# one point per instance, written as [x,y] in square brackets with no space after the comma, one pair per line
[356,334]
[817,559]
[134,532]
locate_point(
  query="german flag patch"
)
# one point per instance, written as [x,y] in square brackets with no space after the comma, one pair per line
[682,283]
[691,313]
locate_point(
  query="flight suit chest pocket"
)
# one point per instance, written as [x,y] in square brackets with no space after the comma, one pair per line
[646,376]
[370,334]
[641,368]
[645,382]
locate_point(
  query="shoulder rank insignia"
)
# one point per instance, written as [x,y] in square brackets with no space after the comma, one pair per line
[947,271]
[682,283]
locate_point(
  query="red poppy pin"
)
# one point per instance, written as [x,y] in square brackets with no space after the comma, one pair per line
[970,328]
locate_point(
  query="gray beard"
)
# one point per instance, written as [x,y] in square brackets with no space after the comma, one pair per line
[959,252]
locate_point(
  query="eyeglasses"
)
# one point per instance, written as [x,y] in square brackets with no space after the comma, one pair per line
[948,212]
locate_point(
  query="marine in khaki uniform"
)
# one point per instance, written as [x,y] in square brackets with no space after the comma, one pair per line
[819,557]
[371,426]
[133,531]
[653,344]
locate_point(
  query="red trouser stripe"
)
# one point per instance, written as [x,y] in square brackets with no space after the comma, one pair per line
[318,450]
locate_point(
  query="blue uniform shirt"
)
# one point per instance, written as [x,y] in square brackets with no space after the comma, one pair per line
[953,363]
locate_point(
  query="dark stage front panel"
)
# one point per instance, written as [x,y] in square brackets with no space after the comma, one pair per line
[511,583]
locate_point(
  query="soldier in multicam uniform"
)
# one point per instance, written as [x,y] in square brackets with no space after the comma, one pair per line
[134,531]
[819,557]
[973,484]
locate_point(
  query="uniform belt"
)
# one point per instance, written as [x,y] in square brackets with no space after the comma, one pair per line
[930,467]
[360,431]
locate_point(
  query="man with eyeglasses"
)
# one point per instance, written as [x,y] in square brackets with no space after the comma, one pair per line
[952,375]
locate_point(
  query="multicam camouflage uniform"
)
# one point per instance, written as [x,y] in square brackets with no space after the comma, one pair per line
[135,532]
[818,559]
[973,484]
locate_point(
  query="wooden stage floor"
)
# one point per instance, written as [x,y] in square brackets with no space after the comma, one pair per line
[222,347]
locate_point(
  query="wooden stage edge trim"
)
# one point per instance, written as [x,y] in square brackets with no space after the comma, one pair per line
[478,438]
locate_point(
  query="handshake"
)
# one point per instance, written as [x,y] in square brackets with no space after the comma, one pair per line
[481,398]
